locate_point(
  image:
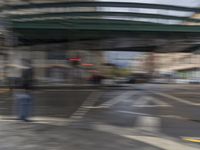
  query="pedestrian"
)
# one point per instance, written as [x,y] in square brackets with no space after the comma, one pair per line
[24,97]
[11,77]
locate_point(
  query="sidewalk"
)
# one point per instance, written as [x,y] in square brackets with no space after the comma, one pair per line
[16,135]
[72,86]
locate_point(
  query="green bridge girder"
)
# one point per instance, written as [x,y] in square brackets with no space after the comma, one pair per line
[103,14]
[70,30]
[103,24]
[58,27]
[101,4]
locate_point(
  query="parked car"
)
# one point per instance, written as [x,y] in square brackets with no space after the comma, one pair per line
[195,81]
[182,81]
[121,80]
[138,78]
[160,81]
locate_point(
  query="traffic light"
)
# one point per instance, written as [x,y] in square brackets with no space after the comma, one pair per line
[75,61]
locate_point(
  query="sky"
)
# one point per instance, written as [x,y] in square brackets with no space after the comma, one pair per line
[121,59]
[187,3]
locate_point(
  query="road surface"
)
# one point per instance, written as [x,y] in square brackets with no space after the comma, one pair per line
[152,114]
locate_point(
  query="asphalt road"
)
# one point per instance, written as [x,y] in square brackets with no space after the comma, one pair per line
[171,111]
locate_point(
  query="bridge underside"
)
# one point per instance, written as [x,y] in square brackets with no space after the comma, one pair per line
[45,26]
[108,40]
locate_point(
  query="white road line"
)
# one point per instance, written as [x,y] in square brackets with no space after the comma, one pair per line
[94,107]
[85,107]
[148,123]
[133,113]
[177,99]
[118,99]
[185,93]
[144,102]
[159,140]
[61,121]
[159,102]
[163,143]
[144,114]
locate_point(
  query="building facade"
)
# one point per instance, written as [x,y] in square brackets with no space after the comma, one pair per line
[48,64]
[183,65]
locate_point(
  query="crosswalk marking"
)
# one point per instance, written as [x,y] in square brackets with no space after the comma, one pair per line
[133,113]
[148,123]
[122,97]
[94,107]
[186,93]
[160,116]
[177,99]
[158,140]
[85,107]
[145,100]
[77,115]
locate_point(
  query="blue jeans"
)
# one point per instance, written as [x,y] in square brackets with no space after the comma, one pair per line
[24,101]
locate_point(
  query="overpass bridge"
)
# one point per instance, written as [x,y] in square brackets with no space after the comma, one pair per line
[88,25]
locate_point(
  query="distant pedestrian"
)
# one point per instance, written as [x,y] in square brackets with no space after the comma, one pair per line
[24,97]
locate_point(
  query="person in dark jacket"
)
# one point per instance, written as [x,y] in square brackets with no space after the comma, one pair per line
[24,98]
[27,76]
